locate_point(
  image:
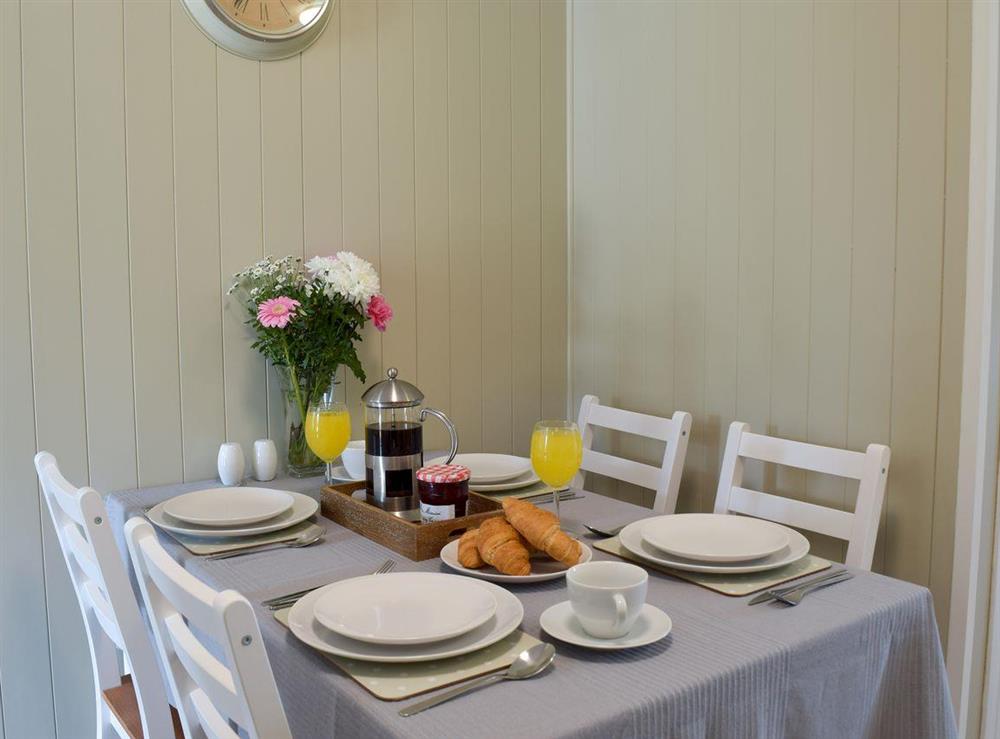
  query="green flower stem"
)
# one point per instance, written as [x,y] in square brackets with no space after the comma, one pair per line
[293,379]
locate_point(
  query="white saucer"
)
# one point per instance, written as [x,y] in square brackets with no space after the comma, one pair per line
[542,567]
[340,474]
[651,626]
[487,469]
[527,479]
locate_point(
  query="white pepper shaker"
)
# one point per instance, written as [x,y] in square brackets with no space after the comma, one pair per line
[265,460]
[231,464]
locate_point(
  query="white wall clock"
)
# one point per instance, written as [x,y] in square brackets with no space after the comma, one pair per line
[261,29]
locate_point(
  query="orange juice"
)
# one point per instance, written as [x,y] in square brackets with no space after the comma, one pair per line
[327,432]
[556,454]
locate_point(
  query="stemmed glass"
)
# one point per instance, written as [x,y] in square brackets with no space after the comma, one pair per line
[556,454]
[328,429]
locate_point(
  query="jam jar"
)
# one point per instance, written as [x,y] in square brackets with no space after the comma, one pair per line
[443,490]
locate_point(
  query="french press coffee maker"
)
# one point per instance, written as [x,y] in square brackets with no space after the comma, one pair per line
[394,442]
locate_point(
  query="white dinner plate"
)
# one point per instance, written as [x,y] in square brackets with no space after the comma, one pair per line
[235,506]
[521,481]
[486,469]
[405,607]
[651,626]
[631,539]
[542,567]
[306,628]
[302,508]
[710,537]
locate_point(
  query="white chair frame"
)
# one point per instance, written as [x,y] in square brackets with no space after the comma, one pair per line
[665,480]
[115,629]
[210,694]
[869,468]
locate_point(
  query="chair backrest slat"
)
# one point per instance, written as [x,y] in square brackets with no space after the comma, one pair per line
[110,611]
[824,459]
[664,480]
[858,527]
[229,680]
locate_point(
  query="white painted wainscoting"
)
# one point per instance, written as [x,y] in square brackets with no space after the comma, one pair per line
[769,222]
[142,166]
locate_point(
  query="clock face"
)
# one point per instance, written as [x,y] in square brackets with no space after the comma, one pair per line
[271,17]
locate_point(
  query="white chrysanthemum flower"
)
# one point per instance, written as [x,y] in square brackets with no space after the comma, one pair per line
[347,275]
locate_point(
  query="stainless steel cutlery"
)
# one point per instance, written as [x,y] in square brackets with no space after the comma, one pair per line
[305,539]
[288,599]
[609,532]
[779,594]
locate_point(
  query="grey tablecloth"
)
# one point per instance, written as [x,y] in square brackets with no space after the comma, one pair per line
[862,659]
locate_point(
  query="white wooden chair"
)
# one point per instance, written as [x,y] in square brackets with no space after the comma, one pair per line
[665,479]
[211,694]
[132,705]
[859,528]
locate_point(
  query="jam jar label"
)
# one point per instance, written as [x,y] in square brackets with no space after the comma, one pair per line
[430,513]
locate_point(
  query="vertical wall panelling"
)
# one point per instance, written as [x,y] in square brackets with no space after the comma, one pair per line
[721,229]
[874,228]
[196,203]
[793,144]
[56,317]
[360,161]
[431,194]
[396,204]
[689,262]
[526,220]
[26,690]
[104,280]
[240,242]
[830,286]
[464,214]
[916,329]
[152,258]
[805,198]
[494,38]
[952,307]
[553,283]
[756,250]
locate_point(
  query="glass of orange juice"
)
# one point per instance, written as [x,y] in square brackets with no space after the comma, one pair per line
[328,429]
[556,454]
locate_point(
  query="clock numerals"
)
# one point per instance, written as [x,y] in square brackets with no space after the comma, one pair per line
[263,13]
[240,5]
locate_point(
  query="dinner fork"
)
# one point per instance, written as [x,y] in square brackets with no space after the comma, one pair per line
[605,532]
[283,601]
[795,597]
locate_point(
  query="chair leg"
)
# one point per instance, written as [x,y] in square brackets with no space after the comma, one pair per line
[105,729]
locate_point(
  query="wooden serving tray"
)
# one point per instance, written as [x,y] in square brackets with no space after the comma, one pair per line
[417,541]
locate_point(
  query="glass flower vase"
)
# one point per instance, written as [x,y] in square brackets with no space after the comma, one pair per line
[300,460]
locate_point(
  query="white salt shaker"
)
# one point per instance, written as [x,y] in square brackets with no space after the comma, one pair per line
[265,460]
[231,463]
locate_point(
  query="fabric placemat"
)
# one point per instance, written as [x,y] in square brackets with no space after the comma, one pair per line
[397,681]
[734,585]
[204,545]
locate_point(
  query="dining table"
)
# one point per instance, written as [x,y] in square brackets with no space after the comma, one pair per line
[859,659]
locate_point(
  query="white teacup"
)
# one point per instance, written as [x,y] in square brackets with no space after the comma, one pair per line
[353,458]
[607,597]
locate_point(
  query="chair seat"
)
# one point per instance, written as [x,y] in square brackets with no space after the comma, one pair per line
[125,706]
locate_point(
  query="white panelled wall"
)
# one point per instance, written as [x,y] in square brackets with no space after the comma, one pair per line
[768,223]
[142,166]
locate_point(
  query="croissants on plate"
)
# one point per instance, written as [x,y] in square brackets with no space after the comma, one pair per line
[504,542]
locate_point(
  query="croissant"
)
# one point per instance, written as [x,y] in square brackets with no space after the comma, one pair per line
[468,550]
[501,546]
[541,529]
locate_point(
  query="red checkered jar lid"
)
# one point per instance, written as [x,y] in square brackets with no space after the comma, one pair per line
[443,473]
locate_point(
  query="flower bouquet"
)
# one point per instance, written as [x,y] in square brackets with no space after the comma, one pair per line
[306,319]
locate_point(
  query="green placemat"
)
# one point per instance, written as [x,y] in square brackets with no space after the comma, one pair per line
[394,681]
[201,545]
[735,585]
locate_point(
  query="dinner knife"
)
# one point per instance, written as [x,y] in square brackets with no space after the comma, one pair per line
[771,594]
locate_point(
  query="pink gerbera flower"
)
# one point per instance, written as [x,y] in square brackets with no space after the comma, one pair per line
[277,312]
[380,312]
